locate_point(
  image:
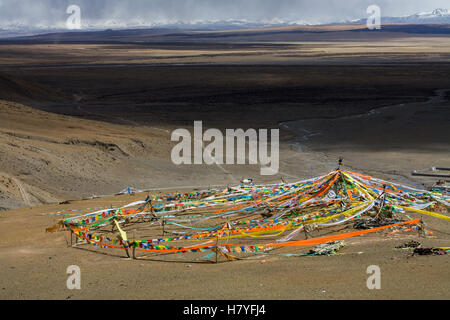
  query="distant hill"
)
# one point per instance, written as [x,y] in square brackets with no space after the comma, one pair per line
[279,33]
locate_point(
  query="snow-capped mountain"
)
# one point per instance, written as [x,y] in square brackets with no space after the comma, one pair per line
[436,16]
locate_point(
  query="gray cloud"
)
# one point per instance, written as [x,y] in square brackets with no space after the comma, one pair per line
[52,13]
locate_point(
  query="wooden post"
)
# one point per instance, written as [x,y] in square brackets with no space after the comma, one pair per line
[126,249]
[217,248]
[163,225]
[383,199]
[134,247]
[420,229]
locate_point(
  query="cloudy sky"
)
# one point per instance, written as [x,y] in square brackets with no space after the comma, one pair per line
[52,13]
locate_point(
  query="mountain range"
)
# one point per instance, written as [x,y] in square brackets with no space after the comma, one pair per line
[439,15]
[436,16]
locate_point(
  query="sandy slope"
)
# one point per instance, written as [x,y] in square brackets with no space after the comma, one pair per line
[41,148]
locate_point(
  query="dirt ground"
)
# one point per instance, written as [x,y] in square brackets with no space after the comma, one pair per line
[34,266]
